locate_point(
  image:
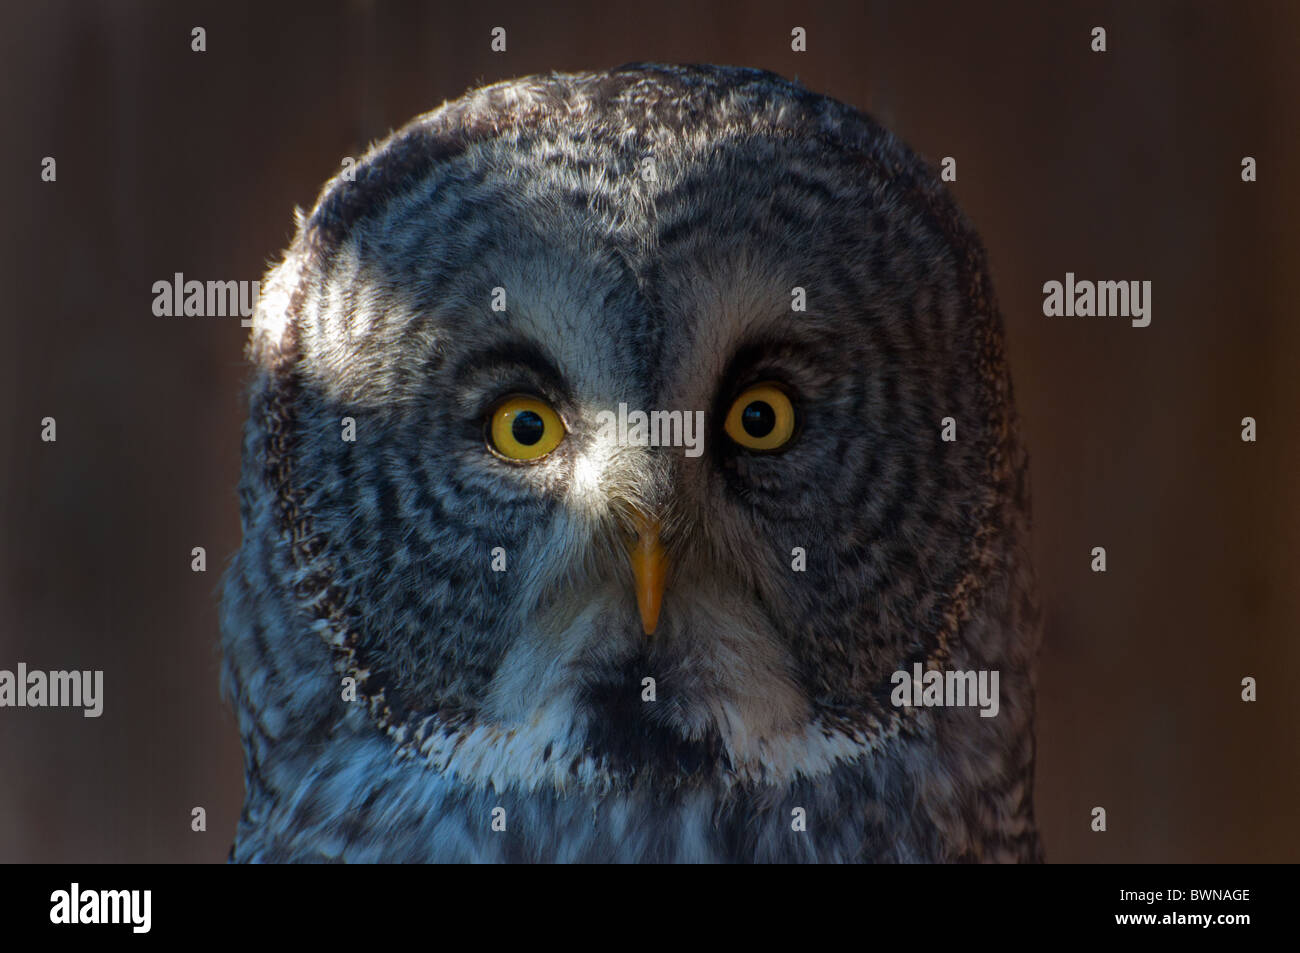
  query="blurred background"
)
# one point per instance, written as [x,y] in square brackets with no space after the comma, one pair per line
[1122,165]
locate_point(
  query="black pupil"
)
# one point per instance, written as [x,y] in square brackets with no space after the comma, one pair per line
[527,428]
[758,418]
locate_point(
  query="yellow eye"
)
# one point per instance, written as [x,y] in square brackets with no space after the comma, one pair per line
[762,418]
[524,428]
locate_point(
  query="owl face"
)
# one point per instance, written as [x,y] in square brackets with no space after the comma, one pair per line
[528,595]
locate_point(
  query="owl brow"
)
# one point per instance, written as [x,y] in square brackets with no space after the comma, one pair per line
[751,357]
[503,361]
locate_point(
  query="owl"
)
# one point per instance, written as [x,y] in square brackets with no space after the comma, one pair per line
[631,466]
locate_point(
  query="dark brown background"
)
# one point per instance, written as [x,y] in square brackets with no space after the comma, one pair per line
[1117,166]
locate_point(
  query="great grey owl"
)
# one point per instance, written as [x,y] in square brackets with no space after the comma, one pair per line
[481,614]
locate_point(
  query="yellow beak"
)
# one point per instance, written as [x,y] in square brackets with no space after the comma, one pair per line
[650,567]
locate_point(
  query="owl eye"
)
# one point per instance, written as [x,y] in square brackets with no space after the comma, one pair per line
[761,418]
[524,428]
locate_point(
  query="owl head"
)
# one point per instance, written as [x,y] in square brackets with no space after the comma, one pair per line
[628,431]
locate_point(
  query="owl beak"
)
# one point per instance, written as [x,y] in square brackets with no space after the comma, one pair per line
[650,567]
